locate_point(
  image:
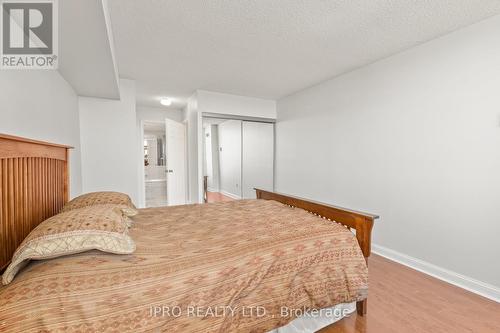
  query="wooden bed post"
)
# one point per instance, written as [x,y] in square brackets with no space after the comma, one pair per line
[361,222]
[364,236]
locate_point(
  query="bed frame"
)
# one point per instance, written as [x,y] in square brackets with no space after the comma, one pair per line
[33,187]
[358,222]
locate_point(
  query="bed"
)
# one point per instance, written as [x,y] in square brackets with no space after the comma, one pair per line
[242,266]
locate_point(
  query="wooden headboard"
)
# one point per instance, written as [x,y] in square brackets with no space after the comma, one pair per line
[34,185]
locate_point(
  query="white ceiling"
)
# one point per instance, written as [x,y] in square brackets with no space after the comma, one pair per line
[269,49]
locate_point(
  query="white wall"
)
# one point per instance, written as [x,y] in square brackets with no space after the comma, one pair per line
[109,140]
[229,134]
[147,113]
[214,102]
[41,105]
[414,138]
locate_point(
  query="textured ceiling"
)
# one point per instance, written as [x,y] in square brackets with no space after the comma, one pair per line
[269,49]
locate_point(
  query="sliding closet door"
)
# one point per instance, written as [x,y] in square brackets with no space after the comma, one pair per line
[230,158]
[257,157]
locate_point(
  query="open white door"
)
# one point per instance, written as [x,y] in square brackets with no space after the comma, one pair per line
[176,162]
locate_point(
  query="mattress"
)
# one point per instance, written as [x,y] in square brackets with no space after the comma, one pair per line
[314,321]
[240,266]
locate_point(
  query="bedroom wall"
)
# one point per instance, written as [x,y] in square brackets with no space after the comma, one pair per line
[109,139]
[416,139]
[148,113]
[214,102]
[41,105]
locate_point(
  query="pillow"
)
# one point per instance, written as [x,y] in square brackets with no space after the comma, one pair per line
[102,198]
[100,227]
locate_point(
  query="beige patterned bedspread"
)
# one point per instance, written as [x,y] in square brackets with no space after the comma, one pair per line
[241,266]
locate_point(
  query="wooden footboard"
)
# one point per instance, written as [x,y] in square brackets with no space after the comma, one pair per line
[361,223]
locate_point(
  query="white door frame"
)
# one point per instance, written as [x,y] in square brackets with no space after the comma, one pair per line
[142,182]
[185,123]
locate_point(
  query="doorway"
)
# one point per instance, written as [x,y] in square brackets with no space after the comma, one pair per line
[164,160]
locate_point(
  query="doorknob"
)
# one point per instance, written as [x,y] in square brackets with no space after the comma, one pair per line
[170,171]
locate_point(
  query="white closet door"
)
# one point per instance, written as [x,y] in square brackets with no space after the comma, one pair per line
[257,157]
[230,158]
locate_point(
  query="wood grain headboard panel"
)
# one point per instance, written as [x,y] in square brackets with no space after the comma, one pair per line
[34,185]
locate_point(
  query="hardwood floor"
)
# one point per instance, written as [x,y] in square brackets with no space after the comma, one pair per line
[216,197]
[403,300]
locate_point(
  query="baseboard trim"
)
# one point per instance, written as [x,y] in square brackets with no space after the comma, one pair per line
[459,280]
[233,196]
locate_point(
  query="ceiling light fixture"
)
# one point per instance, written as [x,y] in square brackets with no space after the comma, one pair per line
[166,101]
